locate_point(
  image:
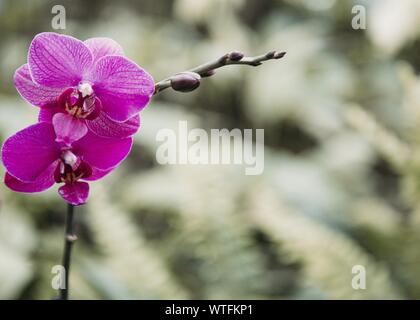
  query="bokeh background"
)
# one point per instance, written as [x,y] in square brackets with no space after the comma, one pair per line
[341,185]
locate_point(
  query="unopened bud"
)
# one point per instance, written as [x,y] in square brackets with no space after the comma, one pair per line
[279,55]
[271,54]
[185,81]
[236,55]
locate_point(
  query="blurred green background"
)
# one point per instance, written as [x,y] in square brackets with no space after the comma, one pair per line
[341,185]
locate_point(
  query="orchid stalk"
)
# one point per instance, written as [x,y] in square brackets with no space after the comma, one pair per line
[90,96]
[69,239]
[190,80]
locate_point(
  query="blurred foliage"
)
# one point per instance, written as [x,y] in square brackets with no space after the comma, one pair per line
[341,184]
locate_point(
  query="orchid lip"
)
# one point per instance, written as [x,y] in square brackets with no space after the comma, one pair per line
[80,102]
[70,173]
[71,168]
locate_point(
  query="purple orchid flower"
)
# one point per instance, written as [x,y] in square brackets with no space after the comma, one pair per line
[83,86]
[36,157]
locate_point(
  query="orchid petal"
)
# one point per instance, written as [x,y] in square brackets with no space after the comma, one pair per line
[102,153]
[122,86]
[75,193]
[28,153]
[46,114]
[107,128]
[43,182]
[98,174]
[101,47]
[32,92]
[68,128]
[58,61]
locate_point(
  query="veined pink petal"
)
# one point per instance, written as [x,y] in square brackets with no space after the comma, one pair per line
[68,128]
[101,47]
[28,153]
[75,193]
[105,127]
[58,61]
[46,114]
[32,92]
[98,174]
[122,86]
[102,153]
[43,182]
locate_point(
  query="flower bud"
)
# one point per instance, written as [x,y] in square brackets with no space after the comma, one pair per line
[279,55]
[236,55]
[185,81]
[270,54]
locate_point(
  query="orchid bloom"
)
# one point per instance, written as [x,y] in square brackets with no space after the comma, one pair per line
[90,85]
[36,157]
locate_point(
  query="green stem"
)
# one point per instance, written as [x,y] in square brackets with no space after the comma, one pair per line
[69,239]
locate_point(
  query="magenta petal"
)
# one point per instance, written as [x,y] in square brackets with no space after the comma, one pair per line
[105,127]
[58,61]
[43,182]
[46,114]
[102,153]
[101,47]
[68,128]
[98,174]
[75,193]
[122,86]
[30,152]
[35,94]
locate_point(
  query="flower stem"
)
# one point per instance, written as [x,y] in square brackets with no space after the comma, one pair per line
[69,239]
[234,58]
